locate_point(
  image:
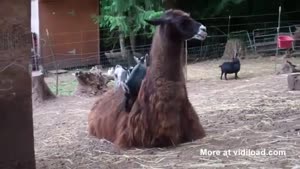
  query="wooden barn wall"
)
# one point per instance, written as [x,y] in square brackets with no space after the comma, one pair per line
[74,37]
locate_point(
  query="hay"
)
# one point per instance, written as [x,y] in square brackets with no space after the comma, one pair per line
[296,34]
[40,89]
[92,83]
[256,112]
[233,46]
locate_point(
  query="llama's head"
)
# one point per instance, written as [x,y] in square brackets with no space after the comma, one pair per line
[180,25]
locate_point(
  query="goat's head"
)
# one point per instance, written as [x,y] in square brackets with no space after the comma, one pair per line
[181,25]
[235,59]
[141,60]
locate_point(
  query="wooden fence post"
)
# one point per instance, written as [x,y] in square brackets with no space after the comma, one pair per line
[16,123]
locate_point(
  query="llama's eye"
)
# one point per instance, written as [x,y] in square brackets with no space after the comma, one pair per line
[186,25]
[185,22]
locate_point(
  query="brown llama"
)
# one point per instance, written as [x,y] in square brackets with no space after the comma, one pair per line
[162,114]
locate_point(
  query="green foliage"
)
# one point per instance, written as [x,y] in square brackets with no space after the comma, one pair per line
[127,16]
[66,87]
[216,7]
[224,3]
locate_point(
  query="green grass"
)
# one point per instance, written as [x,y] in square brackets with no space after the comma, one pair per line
[67,84]
[65,88]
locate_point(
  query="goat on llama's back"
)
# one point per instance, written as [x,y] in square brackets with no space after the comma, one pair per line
[162,115]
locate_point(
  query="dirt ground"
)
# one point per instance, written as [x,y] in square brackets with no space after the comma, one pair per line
[255,112]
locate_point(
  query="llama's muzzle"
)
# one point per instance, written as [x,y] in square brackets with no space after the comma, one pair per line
[201,34]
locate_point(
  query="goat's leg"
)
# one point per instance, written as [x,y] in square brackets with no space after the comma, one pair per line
[236,76]
[225,76]
[222,75]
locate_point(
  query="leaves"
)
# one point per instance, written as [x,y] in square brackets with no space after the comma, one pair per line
[212,8]
[127,16]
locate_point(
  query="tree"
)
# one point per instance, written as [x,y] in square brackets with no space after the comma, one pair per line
[127,18]
[211,8]
[169,4]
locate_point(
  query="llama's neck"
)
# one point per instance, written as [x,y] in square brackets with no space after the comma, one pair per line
[167,57]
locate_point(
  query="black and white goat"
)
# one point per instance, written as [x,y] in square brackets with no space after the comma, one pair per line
[121,74]
[134,81]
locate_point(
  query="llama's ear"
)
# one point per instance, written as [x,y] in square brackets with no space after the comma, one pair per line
[158,21]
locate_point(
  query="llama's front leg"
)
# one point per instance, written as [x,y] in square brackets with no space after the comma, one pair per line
[192,127]
[122,139]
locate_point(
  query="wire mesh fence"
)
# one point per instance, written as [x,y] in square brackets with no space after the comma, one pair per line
[81,50]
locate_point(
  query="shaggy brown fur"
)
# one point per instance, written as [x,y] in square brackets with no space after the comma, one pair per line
[162,115]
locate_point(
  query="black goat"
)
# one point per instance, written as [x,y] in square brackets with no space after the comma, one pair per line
[142,60]
[133,83]
[231,67]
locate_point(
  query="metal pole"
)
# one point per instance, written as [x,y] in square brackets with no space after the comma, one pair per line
[54,60]
[229,17]
[291,34]
[278,30]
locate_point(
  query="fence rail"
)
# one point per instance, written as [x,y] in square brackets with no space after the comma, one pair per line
[83,51]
